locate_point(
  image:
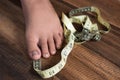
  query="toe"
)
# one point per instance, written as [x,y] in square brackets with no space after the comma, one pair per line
[61,36]
[51,45]
[61,32]
[33,49]
[44,48]
[58,40]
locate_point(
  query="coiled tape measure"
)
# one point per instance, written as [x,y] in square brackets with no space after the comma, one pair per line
[90,31]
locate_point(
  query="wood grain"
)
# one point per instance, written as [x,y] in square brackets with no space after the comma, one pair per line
[90,61]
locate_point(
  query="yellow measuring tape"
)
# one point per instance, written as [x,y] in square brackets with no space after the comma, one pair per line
[90,31]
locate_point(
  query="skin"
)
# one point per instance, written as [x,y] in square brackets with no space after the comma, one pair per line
[44,33]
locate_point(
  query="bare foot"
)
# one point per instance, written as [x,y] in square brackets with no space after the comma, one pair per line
[44,32]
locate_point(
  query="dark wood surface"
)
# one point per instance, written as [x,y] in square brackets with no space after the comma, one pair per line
[89,61]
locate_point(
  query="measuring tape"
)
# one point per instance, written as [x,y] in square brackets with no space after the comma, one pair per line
[90,31]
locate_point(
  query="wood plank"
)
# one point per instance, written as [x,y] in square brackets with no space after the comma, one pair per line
[109,9]
[109,45]
[84,64]
[91,61]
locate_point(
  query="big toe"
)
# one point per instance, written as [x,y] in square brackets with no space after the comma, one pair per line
[33,49]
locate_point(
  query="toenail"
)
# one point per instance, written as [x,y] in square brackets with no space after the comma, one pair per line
[46,55]
[53,52]
[34,53]
[59,47]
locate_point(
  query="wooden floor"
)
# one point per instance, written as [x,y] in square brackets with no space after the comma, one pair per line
[89,61]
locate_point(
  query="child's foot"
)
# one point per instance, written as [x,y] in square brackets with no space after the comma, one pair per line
[43,32]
